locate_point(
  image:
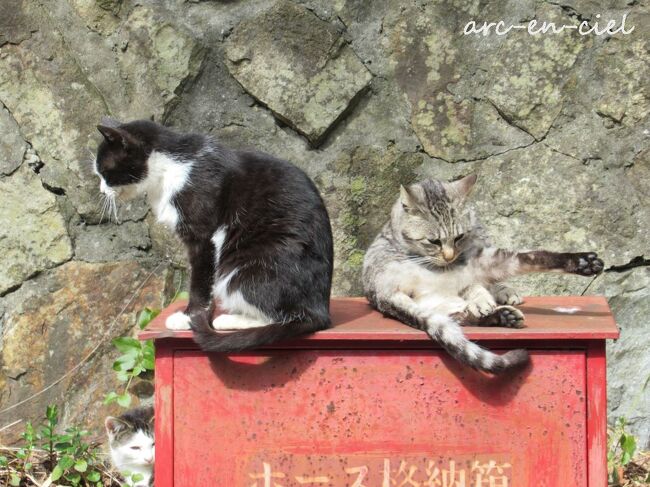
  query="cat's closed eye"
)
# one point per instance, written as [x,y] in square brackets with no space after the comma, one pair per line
[458,238]
[135,448]
[434,241]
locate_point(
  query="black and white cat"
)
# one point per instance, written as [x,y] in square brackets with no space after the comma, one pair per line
[256,230]
[132,446]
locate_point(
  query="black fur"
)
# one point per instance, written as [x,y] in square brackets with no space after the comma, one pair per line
[278,232]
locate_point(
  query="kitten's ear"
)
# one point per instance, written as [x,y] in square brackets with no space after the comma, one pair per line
[115,135]
[461,189]
[407,197]
[114,426]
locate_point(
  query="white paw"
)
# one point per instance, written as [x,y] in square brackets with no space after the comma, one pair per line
[178,321]
[235,322]
[507,295]
[481,306]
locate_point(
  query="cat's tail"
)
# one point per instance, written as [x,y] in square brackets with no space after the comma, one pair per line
[447,331]
[212,341]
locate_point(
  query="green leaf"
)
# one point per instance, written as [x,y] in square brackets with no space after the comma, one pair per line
[126,362]
[146,316]
[52,413]
[14,480]
[124,400]
[628,446]
[74,477]
[137,477]
[66,462]
[57,472]
[123,376]
[126,344]
[137,370]
[3,461]
[93,476]
[63,445]
[81,465]
[148,355]
[110,397]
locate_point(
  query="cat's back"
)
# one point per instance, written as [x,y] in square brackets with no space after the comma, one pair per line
[263,179]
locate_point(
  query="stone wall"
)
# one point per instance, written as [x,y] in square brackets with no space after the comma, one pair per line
[363,96]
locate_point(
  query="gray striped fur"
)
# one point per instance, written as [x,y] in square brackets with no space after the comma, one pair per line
[433,268]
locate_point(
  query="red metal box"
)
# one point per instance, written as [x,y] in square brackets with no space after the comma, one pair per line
[374,403]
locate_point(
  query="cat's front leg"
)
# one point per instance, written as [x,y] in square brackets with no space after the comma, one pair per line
[480,302]
[506,316]
[202,272]
[504,294]
[581,263]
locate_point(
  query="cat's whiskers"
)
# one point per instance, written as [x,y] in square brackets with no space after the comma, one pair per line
[109,206]
[104,202]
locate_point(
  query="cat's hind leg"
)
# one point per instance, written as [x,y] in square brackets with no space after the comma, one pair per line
[430,314]
[236,322]
[504,294]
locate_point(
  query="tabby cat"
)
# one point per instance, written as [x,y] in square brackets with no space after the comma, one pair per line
[131,445]
[257,232]
[433,268]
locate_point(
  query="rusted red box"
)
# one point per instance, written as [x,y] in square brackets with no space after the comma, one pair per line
[374,403]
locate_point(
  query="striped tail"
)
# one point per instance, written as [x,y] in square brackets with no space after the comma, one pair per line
[446,330]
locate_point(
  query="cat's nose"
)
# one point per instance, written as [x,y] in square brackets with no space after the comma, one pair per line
[448,254]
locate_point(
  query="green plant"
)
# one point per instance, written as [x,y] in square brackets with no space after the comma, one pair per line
[24,455]
[47,435]
[622,446]
[132,478]
[76,457]
[137,358]
[67,458]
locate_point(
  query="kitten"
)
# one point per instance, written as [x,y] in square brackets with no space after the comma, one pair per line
[131,444]
[433,268]
[256,230]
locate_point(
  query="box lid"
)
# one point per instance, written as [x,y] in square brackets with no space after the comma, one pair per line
[546,318]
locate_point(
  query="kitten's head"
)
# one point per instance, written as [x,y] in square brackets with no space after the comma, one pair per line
[131,440]
[121,160]
[430,219]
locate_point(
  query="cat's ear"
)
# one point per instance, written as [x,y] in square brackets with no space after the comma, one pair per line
[114,426]
[459,190]
[407,197]
[116,135]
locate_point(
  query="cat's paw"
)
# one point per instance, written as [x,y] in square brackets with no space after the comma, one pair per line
[481,306]
[235,322]
[509,317]
[585,264]
[506,295]
[178,321]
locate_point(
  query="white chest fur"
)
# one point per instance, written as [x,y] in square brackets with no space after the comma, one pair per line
[166,176]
